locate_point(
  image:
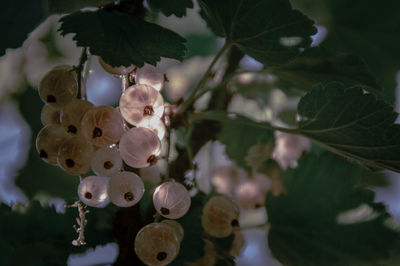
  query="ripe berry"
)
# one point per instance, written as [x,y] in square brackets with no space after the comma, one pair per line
[49,140]
[171,200]
[220,217]
[74,155]
[121,70]
[102,125]
[106,161]
[72,114]
[125,189]
[58,86]
[93,191]
[141,102]
[156,244]
[50,115]
[177,227]
[150,75]
[139,147]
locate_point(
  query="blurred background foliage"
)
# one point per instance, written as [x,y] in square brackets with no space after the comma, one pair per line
[357,44]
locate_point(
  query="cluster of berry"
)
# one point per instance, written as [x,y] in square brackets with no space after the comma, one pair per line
[78,136]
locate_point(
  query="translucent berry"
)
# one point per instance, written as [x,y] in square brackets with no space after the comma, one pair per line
[220,217]
[74,155]
[49,140]
[139,147]
[155,124]
[249,195]
[237,244]
[125,189]
[177,227]
[150,75]
[58,86]
[72,114]
[156,244]
[102,125]
[93,191]
[141,102]
[171,200]
[106,161]
[50,115]
[121,70]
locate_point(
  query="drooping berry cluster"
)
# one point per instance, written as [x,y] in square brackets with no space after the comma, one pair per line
[78,137]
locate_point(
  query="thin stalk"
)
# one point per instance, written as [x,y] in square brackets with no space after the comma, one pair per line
[167,174]
[79,69]
[192,97]
[125,82]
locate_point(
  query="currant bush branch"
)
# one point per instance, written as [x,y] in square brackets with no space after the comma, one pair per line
[81,221]
[200,85]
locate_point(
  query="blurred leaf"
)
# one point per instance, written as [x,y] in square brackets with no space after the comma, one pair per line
[17,19]
[305,229]
[121,39]
[176,7]
[37,176]
[69,6]
[269,31]
[353,124]
[369,29]
[41,236]
[201,45]
[317,65]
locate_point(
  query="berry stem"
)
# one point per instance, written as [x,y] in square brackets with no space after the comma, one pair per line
[193,95]
[167,174]
[125,82]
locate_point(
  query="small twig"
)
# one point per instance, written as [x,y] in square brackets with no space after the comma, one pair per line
[81,221]
[167,174]
[79,69]
[192,97]
[125,82]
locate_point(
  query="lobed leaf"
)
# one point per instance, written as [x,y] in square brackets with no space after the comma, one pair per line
[175,7]
[121,39]
[269,31]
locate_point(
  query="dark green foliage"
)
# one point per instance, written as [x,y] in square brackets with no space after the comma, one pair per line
[259,27]
[121,39]
[176,7]
[17,19]
[69,6]
[37,176]
[304,221]
[40,236]
[353,124]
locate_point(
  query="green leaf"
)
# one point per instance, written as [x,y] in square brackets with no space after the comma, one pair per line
[176,7]
[318,65]
[269,31]
[369,29]
[17,19]
[238,133]
[37,176]
[353,124]
[121,39]
[311,225]
[43,237]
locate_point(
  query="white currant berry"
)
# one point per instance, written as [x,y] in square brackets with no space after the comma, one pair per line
[220,216]
[72,114]
[49,140]
[155,124]
[249,195]
[93,191]
[125,189]
[150,75]
[237,244]
[178,229]
[121,70]
[141,102]
[171,200]
[156,244]
[102,125]
[106,161]
[139,147]
[58,86]
[74,155]
[50,115]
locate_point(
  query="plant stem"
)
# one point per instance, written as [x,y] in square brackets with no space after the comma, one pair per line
[167,174]
[79,69]
[192,97]
[125,82]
